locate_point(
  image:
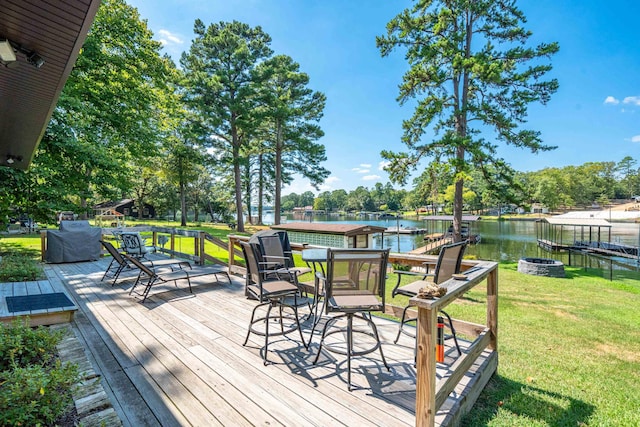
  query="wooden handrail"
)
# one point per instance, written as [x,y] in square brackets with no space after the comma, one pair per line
[428,402]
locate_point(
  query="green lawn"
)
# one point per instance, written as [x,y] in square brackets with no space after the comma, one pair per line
[569,348]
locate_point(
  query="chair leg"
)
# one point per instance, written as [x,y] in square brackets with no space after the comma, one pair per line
[266,332]
[295,313]
[324,333]
[402,322]
[281,319]
[349,348]
[253,316]
[107,270]
[117,274]
[375,331]
[453,331]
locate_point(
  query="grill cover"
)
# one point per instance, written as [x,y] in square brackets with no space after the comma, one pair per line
[75,241]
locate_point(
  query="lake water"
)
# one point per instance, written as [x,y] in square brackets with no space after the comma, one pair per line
[501,240]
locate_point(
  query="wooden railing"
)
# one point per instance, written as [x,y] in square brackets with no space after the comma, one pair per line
[430,395]
[430,392]
[199,255]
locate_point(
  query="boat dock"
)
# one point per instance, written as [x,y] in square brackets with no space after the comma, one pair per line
[405,230]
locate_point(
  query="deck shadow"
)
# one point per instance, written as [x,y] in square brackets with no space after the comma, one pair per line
[527,401]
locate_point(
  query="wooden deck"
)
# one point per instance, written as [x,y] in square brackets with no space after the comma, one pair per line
[178,359]
[47,316]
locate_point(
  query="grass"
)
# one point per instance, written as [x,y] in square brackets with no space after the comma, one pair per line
[569,348]
[569,351]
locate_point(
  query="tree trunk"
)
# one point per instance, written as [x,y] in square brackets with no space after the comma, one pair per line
[260,187]
[278,177]
[237,175]
[183,206]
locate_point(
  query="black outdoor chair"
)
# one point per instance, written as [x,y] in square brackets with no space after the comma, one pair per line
[119,263]
[354,287]
[448,264]
[271,292]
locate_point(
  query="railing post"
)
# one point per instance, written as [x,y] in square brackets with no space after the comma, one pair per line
[426,368]
[196,249]
[202,243]
[492,307]
[173,242]
[231,253]
[43,244]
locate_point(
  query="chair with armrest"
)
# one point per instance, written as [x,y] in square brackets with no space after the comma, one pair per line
[134,245]
[119,262]
[271,292]
[354,288]
[448,264]
[273,259]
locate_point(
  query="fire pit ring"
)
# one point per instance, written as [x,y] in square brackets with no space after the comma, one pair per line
[541,267]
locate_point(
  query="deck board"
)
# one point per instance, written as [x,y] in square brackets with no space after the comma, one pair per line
[178,359]
[45,316]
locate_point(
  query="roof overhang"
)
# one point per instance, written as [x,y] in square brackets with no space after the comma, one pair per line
[578,222]
[56,31]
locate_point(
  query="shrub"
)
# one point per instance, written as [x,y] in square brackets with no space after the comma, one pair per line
[36,395]
[35,387]
[21,345]
[17,267]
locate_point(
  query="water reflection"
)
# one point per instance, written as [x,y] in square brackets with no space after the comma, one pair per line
[501,240]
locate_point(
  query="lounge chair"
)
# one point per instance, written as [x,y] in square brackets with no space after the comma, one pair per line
[119,263]
[148,277]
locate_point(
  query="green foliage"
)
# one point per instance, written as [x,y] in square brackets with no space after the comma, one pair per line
[472,75]
[35,388]
[18,267]
[21,345]
[35,395]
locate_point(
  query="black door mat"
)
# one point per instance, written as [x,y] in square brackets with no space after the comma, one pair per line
[38,302]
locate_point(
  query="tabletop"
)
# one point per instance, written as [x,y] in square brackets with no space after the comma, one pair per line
[314,255]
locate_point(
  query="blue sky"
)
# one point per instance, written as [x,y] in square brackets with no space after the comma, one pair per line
[593,116]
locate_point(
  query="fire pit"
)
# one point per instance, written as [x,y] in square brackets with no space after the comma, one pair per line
[541,267]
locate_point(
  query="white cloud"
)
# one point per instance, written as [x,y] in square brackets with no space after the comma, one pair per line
[635,100]
[635,138]
[611,100]
[383,164]
[365,165]
[169,38]
[370,177]
[362,169]
[331,180]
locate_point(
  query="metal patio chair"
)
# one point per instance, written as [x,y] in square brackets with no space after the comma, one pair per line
[354,288]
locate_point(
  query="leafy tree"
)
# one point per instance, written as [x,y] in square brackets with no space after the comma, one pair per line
[306,199]
[469,66]
[108,114]
[339,198]
[223,87]
[626,168]
[293,109]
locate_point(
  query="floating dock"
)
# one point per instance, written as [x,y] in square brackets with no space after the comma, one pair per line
[405,230]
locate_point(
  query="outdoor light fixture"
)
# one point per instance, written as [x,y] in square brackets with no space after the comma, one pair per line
[7,53]
[35,60]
